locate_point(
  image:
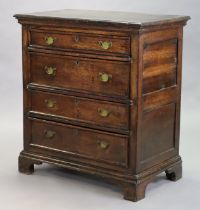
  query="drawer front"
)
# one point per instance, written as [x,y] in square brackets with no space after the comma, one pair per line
[81,41]
[86,110]
[79,74]
[105,147]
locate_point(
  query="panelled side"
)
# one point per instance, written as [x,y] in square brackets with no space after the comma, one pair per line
[133,101]
[160,96]
[26,81]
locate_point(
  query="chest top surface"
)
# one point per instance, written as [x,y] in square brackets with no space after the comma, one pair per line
[127,18]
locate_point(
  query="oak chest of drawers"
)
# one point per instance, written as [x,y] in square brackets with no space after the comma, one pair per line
[102,94]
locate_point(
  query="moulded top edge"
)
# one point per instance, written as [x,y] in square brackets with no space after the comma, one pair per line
[112,17]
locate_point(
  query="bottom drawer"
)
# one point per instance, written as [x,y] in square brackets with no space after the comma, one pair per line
[77,141]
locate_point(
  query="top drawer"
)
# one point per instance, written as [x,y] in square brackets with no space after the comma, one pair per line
[80,41]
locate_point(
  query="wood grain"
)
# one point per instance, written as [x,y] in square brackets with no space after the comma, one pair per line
[82,142]
[81,109]
[136,136]
[81,41]
[82,74]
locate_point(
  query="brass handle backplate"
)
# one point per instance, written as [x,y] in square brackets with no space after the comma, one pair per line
[49,40]
[103,112]
[51,71]
[103,144]
[104,77]
[105,45]
[49,134]
[50,103]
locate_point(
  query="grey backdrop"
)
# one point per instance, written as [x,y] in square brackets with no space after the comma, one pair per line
[51,188]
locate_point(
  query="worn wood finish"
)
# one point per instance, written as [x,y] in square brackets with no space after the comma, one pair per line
[81,109]
[174,173]
[104,18]
[80,41]
[123,127]
[82,74]
[158,140]
[26,165]
[160,63]
[102,147]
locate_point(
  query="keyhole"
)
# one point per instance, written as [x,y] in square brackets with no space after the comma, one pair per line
[76,38]
[77,62]
[76,102]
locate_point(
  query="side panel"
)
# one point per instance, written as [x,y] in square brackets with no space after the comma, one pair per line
[159,97]
[26,81]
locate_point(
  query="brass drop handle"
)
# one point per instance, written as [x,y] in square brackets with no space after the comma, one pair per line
[103,112]
[50,103]
[103,145]
[105,45]
[51,71]
[49,40]
[104,77]
[49,134]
